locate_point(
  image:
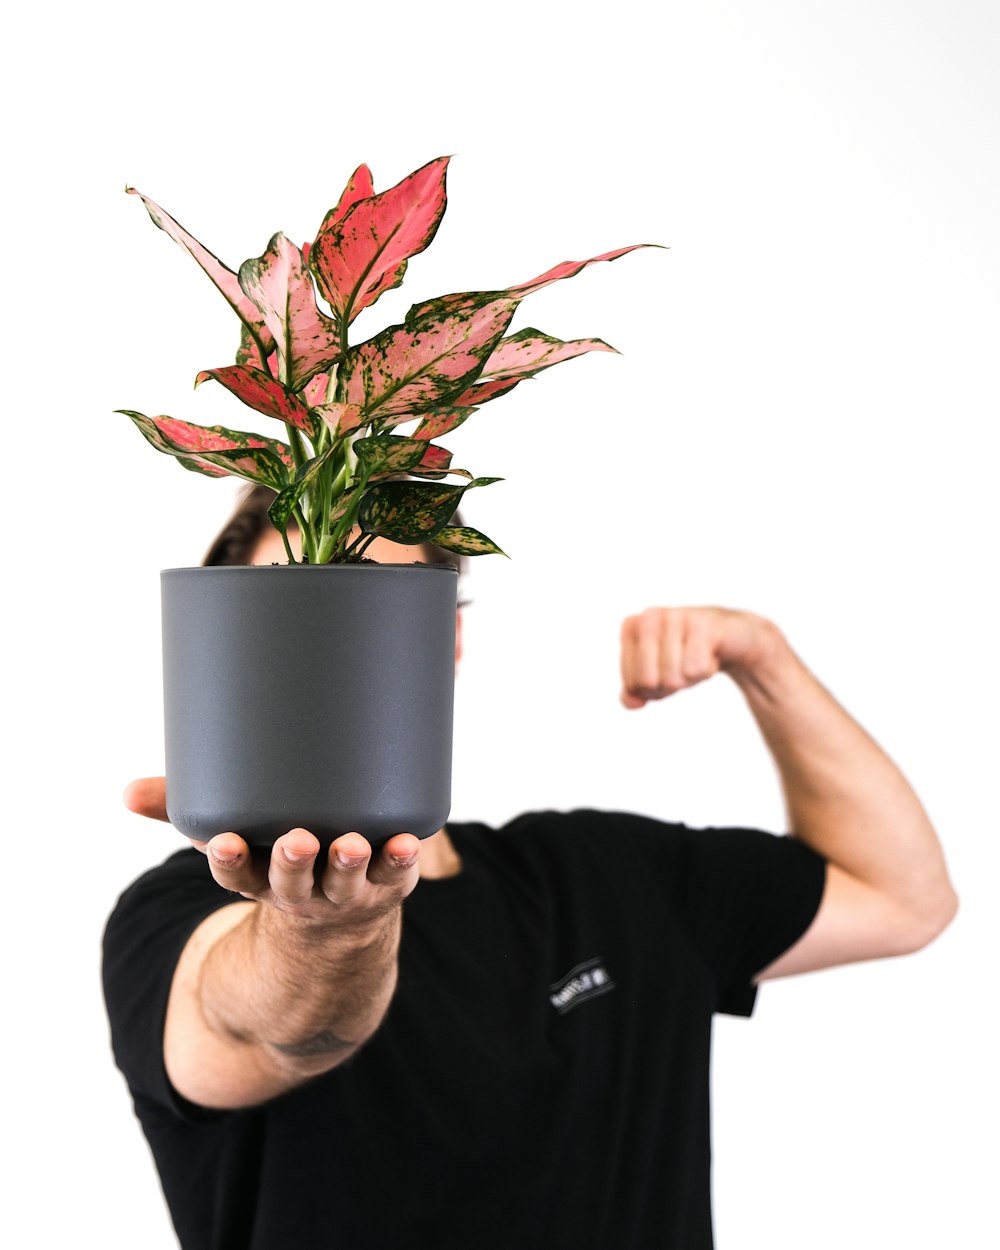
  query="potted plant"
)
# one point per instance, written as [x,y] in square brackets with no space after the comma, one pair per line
[319,693]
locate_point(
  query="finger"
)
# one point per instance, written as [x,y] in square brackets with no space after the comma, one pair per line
[631,701]
[290,872]
[699,661]
[397,862]
[346,865]
[640,657]
[233,867]
[670,632]
[147,797]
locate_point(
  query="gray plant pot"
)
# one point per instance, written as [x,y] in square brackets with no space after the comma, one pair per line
[314,697]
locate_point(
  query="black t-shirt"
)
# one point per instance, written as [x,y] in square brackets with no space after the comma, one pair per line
[541,1077]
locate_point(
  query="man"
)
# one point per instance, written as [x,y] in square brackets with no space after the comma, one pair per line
[513,1053]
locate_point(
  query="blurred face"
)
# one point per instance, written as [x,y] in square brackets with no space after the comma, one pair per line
[271,550]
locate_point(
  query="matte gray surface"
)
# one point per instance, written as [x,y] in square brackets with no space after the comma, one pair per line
[315,697]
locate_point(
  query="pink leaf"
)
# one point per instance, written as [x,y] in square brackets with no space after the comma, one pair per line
[314,392]
[483,391]
[282,290]
[528,352]
[569,269]
[464,301]
[441,421]
[341,418]
[217,450]
[260,392]
[358,188]
[249,354]
[220,274]
[435,460]
[364,253]
[418,365]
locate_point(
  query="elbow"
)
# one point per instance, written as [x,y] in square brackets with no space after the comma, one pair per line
[932,922]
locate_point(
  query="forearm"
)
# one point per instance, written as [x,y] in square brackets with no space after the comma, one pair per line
[305,995]
[845,797]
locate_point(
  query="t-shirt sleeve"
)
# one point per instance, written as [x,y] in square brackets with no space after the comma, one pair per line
[746,896]
[143,940]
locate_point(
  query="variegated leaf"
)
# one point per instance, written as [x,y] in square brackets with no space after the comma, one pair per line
[466,301]
[216,448]
[483,391]
[359,187]
[341,418]
[530,351]
[364,253]
[281,289]
[465,541]
[287,500]
[441,421]
[436,462]
[262,393]
[411,512]
[569,269]
[388,453]
[317,390]
[249,354]
[409,368]
[223,277]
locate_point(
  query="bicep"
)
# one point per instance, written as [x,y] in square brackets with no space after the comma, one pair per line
[854,922]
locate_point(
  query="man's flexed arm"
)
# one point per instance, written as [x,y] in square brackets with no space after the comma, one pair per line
[887,889]
[272,991]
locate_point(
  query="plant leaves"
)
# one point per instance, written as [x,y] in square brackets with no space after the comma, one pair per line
[341,418]
[483,391]
[441,421]
[465,301]
[411,512]
[528,352]
[262,393]
[364,253]
[359,187]
[248,353]
[388,453]
[419,365]
[569,269]
[280,287]
[216,450]
[466,541]
[287,500]
[223,277]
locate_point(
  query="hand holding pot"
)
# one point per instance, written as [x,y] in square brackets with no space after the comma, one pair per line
[354,886]
[266,996]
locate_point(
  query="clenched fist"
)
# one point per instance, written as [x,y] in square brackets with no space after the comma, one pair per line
[668,649]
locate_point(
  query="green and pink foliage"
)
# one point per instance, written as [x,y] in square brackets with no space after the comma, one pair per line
[337,477]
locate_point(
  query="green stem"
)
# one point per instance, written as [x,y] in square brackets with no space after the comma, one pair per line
[295,442]
[309,552]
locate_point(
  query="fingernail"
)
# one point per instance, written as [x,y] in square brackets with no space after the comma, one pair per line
[349,861]
[296,857]
[227,857]
[405,861]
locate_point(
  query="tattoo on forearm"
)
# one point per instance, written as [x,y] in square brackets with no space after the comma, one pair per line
[324,1043]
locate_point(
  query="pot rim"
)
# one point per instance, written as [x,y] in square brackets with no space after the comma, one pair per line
[308,568]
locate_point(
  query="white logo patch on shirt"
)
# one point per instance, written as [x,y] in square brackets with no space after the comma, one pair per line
[586,980]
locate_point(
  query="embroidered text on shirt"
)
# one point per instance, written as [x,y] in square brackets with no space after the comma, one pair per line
[586,980]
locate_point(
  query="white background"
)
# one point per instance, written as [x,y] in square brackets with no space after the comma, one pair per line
[803,421]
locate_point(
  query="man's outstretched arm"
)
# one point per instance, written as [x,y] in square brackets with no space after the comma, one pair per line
[274,990]
[887,890]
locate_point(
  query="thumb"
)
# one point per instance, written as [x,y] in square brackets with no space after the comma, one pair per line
[147,797]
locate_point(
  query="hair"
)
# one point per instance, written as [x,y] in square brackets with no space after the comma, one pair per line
[236,541]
